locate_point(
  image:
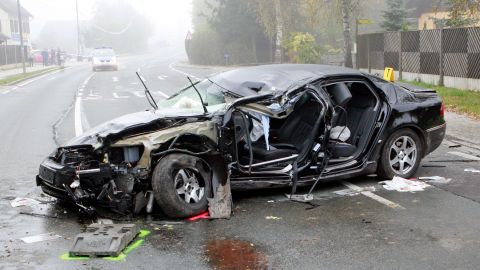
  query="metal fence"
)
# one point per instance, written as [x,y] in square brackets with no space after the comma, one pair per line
[11,54]
[451,52]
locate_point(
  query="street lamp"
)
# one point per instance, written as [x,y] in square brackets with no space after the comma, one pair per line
[20,28]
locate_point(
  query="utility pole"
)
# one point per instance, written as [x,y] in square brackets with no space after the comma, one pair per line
[20,28]
[78,32]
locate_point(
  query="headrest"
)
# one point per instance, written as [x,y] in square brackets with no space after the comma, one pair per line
[340,93]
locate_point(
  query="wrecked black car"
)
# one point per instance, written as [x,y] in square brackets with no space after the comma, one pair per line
[255,127]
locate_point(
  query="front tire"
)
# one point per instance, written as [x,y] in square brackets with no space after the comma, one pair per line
[181,184]
[401,155]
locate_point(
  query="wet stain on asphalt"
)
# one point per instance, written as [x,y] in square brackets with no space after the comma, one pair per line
[235,254]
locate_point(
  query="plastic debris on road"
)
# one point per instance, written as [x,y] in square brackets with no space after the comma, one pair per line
[104,239]
[17,202]
[40,238]
[435,179]
[273,218]
[471,170]
[204,215]
[404,185]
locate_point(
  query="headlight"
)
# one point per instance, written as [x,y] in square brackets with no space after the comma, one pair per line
[96,61]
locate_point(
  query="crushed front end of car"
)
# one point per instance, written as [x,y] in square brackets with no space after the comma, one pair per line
[111,165]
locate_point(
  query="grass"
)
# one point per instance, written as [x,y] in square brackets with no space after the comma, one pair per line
[457,100]
[17,77]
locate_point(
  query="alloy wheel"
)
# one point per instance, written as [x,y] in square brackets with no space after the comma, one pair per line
[188,186]
[403,155]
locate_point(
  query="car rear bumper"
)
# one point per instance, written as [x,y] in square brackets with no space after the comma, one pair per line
[435,137]
[108,66]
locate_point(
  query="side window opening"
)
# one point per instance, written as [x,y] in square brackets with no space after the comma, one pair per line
[293,135]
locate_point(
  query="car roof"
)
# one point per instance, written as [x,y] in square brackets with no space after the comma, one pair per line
[277,77]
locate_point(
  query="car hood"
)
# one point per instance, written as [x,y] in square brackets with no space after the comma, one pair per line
[132,123]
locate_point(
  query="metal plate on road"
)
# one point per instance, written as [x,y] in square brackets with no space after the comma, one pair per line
[104,240]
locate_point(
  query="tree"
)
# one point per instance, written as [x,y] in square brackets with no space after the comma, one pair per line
[317,10]
[277,17]
[394,16]
[347,40]
[461,13]
[236,25]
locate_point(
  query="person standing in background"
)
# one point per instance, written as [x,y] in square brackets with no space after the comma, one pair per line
[52,57]
[45,57]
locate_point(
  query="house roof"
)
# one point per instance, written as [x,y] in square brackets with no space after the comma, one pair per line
[10,6]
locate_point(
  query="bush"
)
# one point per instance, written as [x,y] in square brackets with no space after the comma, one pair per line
[302,48]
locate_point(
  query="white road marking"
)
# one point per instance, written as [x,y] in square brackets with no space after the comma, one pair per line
[161,94]
[162,77]
[373,196]
[115,79]
[139,94]
[115,95]
[51,79]
[464,155]
[78,107]
[170,66]
[9,90]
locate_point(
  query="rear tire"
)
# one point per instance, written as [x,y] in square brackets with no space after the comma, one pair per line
[401,155]
[181,184]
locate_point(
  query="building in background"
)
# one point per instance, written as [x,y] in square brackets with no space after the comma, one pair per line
[432,20]
[10,32]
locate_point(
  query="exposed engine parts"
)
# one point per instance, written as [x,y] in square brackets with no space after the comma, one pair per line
[110,178]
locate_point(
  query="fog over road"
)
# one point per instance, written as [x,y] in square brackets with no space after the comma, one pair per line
[436,229]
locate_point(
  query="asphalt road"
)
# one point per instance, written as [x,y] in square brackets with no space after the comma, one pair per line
[432,229]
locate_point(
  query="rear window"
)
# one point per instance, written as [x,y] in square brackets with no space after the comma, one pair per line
[103,52]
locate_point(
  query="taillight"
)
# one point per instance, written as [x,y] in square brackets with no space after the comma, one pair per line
[442,110]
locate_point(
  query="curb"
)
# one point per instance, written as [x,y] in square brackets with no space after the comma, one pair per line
[188,65]
[34,75]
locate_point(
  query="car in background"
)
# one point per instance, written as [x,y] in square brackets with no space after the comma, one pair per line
[104,58]
[37,56]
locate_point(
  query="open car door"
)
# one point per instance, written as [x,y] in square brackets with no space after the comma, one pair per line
[278,134]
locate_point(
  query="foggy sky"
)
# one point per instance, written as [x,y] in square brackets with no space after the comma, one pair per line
[172,18]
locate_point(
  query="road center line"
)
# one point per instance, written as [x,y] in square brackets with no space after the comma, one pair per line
[464,155]
[373,196]
[78,107]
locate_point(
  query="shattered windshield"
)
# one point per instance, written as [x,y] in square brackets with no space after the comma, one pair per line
[187,98]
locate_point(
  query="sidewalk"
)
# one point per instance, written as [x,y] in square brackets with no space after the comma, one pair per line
[463,128]
[15,71]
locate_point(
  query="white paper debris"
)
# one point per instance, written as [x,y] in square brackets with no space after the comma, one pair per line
[471,170]
[435,179]
[403,185]
[40,237]
[17,202]
[340,133]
